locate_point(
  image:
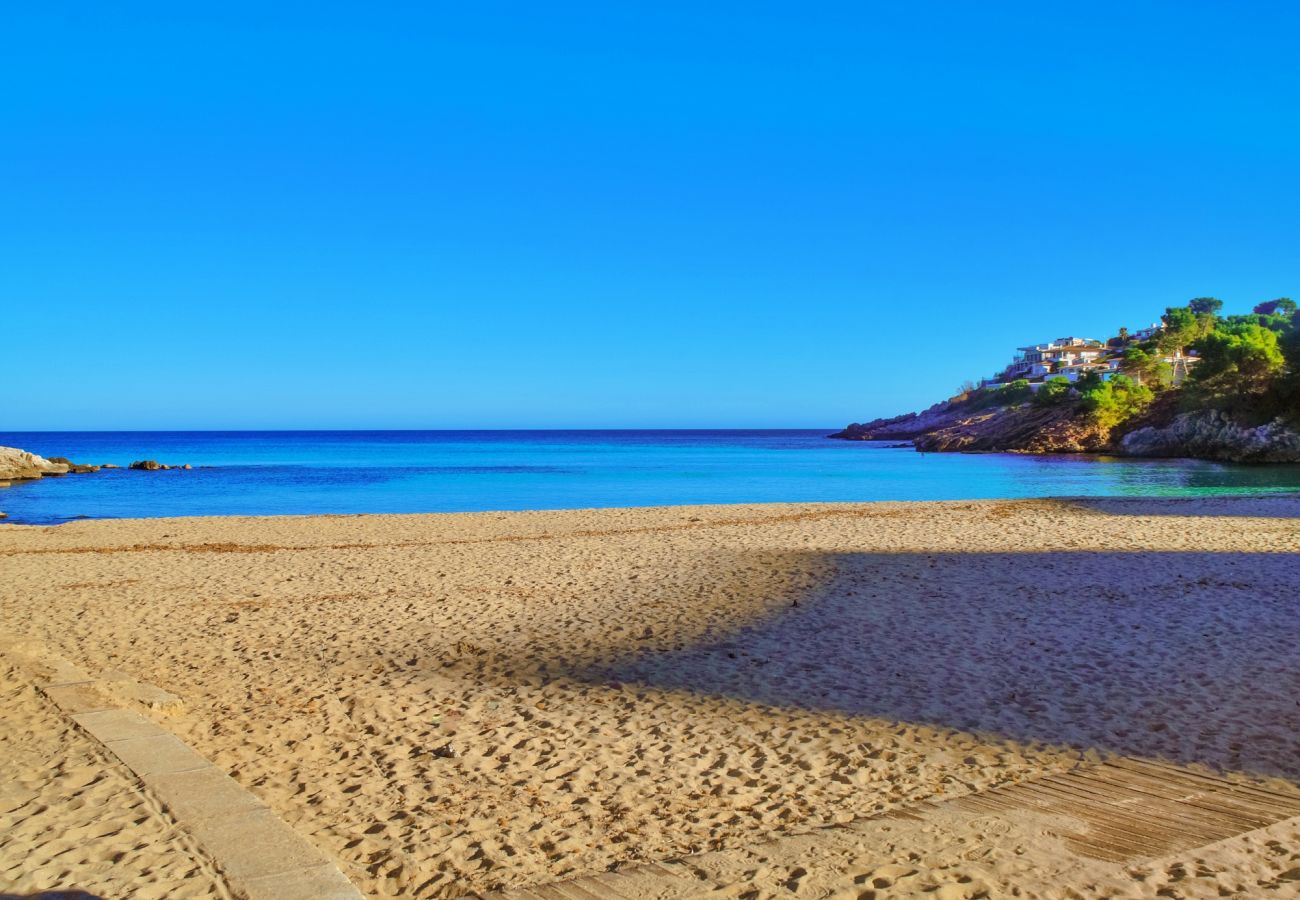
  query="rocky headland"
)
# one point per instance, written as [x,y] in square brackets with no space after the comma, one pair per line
[954,426]
[1198,385]
[23,465]
[1161,431]
[1025,429]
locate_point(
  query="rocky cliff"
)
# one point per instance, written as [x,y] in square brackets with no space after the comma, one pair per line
[1018,429]
[906,426]
[1212,434]
[952,426]
[959,425]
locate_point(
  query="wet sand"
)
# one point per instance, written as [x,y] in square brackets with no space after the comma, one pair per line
[452,704]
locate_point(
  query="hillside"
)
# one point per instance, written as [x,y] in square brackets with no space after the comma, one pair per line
[1197,384]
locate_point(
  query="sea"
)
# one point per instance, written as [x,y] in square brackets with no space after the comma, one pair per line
[345,472]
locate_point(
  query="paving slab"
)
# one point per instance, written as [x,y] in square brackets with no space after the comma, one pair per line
[318,883]
[78,698]
[110,725]
[63,672]
[202,794]
[256,844]
[161,755]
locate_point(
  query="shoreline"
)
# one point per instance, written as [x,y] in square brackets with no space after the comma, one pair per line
[452,703]
[1244,496]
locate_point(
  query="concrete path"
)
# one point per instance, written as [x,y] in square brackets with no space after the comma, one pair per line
[260,856]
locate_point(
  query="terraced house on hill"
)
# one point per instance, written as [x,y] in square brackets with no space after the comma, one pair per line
[1040,360]
[1073,357]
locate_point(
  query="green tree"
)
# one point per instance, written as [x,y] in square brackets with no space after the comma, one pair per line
[1286,391]
[1184,326]
[1016,392]
[1181,328]
[1239,357]
[1112,402]
[1205,306]
[1282,306]
[1053,392]
[1147,368]
[1088,381]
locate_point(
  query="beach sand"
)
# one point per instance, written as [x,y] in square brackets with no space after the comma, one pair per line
[72,816]
[452,704]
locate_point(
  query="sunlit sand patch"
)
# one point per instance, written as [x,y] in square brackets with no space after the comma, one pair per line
[458,703]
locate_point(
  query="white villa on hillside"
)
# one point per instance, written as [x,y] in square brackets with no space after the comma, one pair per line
[1072,372]
[1041,360]
[1145,334]
[1073,357]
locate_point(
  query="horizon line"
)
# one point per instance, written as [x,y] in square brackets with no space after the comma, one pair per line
[391,430]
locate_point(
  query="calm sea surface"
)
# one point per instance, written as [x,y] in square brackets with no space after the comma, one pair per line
[275,473]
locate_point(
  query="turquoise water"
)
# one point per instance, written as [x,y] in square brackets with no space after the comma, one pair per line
[276,473]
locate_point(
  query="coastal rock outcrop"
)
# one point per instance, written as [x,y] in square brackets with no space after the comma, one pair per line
[964,425]
[77,468]
[152,465]
[908,425]
[1018,429]
[1212,434]
[1029,428]
[17,465]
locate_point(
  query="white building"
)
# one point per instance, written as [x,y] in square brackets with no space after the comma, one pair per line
[1043,360]
[1073,357]
[1145,334]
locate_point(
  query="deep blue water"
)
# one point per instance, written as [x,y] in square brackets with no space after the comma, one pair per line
[275,473]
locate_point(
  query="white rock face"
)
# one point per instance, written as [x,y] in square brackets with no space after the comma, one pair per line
[1210,434]
[16,464]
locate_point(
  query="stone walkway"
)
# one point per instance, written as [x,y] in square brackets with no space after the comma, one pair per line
[1118,811]
[260,856]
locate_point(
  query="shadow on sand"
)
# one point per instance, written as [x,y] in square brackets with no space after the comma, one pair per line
[1192,657]
[1274,506]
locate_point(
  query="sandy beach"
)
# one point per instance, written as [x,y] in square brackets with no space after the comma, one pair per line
[462,703]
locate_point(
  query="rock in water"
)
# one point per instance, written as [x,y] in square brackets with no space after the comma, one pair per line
[152,465]
[18,464]
[78,468]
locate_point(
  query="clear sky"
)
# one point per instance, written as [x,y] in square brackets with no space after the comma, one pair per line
[610,214]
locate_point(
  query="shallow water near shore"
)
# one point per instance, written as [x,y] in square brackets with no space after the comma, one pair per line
[315,472]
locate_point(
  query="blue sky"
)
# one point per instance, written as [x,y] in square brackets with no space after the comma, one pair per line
[615,215]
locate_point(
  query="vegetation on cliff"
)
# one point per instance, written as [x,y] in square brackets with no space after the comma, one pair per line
[1237,395]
